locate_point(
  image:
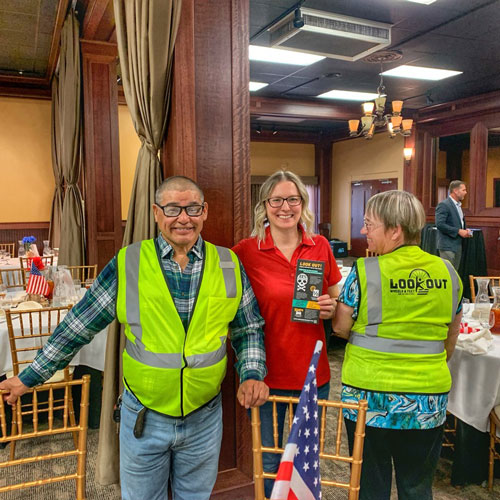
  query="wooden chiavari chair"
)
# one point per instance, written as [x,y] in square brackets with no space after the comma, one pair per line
[83,273]
[9,247]
[494,281]
[25,262]
[336,455]
[369,253]
[23,431]
[12,278]
[28,330]
[494,443]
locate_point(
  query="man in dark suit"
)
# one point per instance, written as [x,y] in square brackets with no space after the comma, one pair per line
[450,222]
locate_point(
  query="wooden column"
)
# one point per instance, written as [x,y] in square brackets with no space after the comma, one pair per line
[101,166]
[323,170]
[208,140]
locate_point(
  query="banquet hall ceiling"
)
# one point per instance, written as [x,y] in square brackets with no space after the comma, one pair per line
[452,34]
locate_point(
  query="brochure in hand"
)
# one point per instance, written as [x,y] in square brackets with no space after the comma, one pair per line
[307,289]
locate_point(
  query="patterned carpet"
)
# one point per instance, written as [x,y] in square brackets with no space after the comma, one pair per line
[66,490]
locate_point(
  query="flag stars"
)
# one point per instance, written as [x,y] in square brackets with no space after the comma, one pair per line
[315,431]
[307,387]
[306,466]
[312,368]
[315,448]
[307,433]
[316,464]
[306,449]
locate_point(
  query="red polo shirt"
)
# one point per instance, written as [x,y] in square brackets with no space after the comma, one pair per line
[289,345]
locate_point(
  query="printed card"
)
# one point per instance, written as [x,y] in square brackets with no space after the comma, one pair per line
[308,286]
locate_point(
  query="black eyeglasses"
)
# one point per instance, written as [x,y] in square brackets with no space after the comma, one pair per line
[277,201]
[176,210]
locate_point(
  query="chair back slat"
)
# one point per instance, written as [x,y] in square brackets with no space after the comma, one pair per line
[9,247]
[340,454]
[14,431]
[494,281]
[83,272]
[25,263]
[12,278]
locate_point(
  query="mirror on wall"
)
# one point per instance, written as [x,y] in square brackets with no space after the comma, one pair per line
[451,161]
[493,169]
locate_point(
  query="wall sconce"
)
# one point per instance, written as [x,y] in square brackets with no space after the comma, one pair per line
[407,153]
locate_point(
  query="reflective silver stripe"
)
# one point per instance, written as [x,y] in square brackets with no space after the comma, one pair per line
[373,296]
[228,271]
[209,358]
[138,352]
[456,287]
[132,258]
[397,346]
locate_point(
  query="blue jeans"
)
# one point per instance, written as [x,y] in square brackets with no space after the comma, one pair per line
[271,461]
[184,450]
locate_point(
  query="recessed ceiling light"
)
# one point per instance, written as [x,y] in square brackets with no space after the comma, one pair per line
[257,86]
[283,119]
[348,95]
[420,73]
[258,53]
[425,2]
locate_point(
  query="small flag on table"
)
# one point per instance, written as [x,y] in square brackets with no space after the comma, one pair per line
[37,284]
[298,474]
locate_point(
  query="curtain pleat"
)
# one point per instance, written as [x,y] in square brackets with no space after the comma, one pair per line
[57,201]
[72,242]
[146,32]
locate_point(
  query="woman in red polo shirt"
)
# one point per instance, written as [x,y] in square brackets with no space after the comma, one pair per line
[281,235]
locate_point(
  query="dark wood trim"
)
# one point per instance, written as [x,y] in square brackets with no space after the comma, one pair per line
[55,45]
[101,159]
[93,17]
[240,78]
[323,171]
[24,225]
[299,136]
[42,93]
[178,154]
[267,106]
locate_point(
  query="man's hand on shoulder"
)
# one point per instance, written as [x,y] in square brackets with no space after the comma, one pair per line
[15,387]
[252,393]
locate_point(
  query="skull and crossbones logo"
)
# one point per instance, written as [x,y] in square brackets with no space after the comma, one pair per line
[301,282]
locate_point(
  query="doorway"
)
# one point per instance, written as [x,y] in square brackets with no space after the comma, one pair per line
[361,192]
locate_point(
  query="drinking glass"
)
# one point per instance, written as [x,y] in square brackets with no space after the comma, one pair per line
[466,306]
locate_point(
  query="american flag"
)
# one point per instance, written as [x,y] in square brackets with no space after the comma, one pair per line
[298,474]
[37,284]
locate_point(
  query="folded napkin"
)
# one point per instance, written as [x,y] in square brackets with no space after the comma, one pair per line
[478,342]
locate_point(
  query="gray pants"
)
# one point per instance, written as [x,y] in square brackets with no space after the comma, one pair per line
[453,257]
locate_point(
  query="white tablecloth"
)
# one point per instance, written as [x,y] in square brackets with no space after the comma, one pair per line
[475,386]
[92,354]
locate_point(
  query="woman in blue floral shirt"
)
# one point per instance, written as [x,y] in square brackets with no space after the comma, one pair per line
[401,313]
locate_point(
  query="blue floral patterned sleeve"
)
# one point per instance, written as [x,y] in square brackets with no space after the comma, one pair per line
[388,410]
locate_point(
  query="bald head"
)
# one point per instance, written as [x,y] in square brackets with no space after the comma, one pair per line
[177,183]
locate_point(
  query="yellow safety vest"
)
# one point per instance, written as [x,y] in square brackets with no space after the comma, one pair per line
[407,300]
[168,369]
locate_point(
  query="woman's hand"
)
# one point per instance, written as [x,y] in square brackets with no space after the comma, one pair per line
[327,305]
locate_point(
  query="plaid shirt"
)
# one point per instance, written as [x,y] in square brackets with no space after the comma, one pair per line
[97,310]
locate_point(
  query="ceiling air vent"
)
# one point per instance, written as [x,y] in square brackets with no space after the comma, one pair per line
[331,35]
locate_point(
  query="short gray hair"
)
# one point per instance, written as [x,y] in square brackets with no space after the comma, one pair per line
[455,185]
[398,208]
[177,183]
[260,215]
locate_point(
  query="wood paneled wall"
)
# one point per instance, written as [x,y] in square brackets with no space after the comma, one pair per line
[208,140]
[475,115]
[14,231]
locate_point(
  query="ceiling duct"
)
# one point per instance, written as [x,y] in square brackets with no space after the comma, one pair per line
[331,35]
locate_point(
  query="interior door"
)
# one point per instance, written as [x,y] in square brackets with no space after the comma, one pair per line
[361,192]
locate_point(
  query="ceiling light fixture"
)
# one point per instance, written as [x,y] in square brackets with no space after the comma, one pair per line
[298,20]
[257,86]
[421,72]
[348,95]
[282,56]
[425,2]
[374,117]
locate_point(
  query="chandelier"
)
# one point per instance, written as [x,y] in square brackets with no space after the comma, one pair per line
[374,117]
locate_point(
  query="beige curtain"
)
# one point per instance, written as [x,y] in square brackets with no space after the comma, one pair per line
[71,248]
[57,201]
[146,32]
